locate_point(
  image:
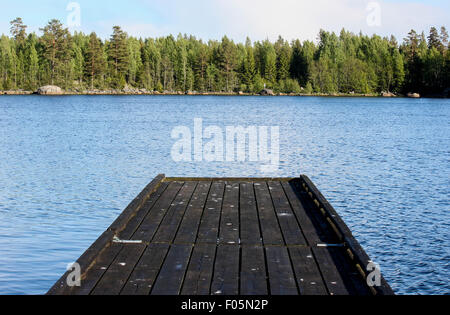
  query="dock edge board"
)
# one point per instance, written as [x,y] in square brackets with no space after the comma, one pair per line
[354,250]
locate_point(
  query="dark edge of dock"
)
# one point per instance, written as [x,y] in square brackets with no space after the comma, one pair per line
[354,253]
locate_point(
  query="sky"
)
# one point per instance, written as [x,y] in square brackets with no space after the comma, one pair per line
[212,19]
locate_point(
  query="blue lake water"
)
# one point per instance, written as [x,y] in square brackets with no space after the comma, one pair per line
[70,165]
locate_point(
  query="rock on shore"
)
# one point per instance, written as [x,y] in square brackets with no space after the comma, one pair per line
[388,94]
[50,90]
[15,92]
[267,92]
[413,95]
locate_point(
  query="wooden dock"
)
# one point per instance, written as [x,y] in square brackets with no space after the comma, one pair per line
[226,236]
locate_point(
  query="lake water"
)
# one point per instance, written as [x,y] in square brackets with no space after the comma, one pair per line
[70,165]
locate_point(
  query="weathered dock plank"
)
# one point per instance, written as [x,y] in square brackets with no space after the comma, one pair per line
[209,225]
[269,223]
[249,227]
[200,271]
[172,273]
[307,273]
[229,223]
[226,236]
[289,225]
[226,271]
[253,271]
[281,275]
[144,275]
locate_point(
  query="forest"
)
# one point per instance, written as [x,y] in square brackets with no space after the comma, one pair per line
[334,63]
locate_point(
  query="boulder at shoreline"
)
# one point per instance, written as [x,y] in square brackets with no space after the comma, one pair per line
[50,90]
[388,94]
[267,92]
[413,95]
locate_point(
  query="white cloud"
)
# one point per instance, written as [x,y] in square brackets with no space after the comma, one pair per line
[262,19]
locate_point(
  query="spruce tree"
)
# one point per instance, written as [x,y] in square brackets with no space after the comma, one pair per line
[226,58]
[249,67]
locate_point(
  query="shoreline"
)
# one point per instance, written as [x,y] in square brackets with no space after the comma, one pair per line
[169,93]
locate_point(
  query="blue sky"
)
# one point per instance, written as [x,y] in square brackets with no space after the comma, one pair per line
[259,19]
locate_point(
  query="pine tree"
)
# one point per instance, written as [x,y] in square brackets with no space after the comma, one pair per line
[444,37]
[33,65]
[211,74]
[78,64]
[18,30]
[434,40]
[181,65]
[200,65]
[56,43]
[226,57]
[118,56]
[95,64]
[411,44]
[399,71]
[6,63]
[135,61]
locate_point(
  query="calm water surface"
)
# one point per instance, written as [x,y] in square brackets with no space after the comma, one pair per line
[70,165]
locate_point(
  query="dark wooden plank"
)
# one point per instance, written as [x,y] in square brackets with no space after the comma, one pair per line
[306,224]
[253,271]
[229,224]
[249,220]
[281,275]
[117,274]
[95,273]
[169,225]
[190,224]
[200,271]
[144,274]
[323,229]
[270,227]
[123,219]
[289,226]
[226,271]
[307,272]
[334,281]
[230,179]
[150,224]
[209,226]
[137,220]
[170,279]
[349,273]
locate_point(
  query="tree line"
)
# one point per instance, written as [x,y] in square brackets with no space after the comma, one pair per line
[344,63]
